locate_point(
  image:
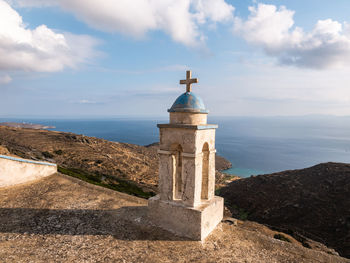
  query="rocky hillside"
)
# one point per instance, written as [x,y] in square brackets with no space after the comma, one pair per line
[62,219]
[312,202]
[309,203]
[4,151]
[121,166]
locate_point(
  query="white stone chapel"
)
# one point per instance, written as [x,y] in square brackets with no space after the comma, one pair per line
[186,204]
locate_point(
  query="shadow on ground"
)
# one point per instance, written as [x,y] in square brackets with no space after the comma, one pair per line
[126,223]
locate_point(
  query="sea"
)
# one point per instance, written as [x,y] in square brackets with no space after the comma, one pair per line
[254,145]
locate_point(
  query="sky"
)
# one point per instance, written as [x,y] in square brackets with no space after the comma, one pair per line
[88,58]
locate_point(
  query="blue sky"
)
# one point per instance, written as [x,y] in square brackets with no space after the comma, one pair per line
[120,57]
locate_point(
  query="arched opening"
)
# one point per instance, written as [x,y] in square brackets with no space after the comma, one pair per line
[177,171]
[205,171]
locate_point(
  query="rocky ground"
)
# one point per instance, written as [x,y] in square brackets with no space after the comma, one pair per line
[312,202]
[100,160]
[62,219]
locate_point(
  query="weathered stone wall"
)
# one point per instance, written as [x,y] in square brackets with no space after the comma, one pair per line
[195,223]
[16,171]
[203,137]
[191,141]
[188,118]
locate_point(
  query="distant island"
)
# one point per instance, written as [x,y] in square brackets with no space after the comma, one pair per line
[26,125]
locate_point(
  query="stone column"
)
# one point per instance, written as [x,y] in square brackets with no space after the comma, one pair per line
[165,184]
[211,175]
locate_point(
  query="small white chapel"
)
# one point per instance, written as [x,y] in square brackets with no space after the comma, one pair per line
[186,204]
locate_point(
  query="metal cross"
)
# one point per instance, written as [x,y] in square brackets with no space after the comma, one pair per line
[188,81]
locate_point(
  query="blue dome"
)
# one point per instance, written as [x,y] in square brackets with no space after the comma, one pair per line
[188,102]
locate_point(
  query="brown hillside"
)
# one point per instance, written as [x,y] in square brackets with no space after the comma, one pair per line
[312,202]
[101,158]
[4,151]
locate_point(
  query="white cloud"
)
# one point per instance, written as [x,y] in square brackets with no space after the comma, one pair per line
[40,49]
[86,102]
[326,46]
[5,79]
[180,19]
[216,11]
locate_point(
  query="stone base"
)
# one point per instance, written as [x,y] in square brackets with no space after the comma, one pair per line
[195,223]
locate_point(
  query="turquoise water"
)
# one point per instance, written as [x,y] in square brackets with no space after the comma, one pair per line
[243,172]
[253,145]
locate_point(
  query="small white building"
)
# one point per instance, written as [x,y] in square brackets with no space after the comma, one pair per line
[186,204]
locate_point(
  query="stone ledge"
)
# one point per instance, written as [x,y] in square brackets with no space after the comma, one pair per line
[188,126]
[192,222]
[25,160]
[191,155]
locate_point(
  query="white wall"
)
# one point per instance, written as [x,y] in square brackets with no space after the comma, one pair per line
[16,171]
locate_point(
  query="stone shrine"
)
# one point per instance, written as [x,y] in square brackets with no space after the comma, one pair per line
[186,204]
